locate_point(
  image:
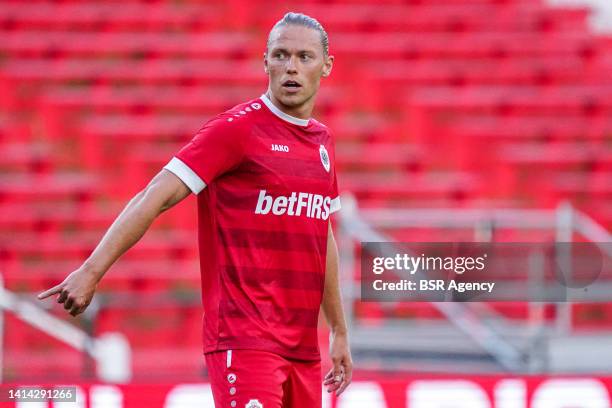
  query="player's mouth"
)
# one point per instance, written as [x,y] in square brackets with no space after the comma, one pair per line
[291,86]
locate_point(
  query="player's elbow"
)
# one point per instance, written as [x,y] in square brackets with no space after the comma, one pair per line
[152,199]
[166,206]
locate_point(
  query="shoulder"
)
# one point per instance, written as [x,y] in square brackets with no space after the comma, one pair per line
[325,134]
[236,120]
[319,125]
[322,128]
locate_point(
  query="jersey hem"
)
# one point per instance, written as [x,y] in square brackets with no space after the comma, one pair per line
[296,355]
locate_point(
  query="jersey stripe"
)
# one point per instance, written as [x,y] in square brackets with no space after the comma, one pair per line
[281,278]
[289,241]
[284,316]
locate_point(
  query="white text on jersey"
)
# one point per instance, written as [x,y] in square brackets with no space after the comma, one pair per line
[316,205]
[279,148]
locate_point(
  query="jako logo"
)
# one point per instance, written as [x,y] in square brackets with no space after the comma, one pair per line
[279,148]
[315,205]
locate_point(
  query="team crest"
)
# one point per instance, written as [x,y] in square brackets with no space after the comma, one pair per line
[253,404]
[324,158]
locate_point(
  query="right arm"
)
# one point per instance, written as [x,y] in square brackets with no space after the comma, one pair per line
[163,192]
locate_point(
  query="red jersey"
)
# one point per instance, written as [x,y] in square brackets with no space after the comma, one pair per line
[266,186]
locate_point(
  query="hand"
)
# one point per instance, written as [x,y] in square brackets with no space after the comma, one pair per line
[75,292]
[339,377]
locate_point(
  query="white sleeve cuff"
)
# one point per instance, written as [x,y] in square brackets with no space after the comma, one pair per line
[335,205]
[187,176]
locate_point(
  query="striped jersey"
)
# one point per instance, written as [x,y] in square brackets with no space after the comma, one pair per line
[266,186]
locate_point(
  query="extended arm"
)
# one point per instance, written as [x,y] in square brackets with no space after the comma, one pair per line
[339,377]
[164,191]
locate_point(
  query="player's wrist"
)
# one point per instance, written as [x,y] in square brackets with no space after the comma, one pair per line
[90,268]
[340,331]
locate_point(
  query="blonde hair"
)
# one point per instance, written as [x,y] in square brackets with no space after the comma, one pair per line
[304,21]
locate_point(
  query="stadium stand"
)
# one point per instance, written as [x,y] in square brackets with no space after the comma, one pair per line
[433,104]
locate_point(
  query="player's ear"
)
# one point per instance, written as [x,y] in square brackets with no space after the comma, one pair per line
[265,57]
[327,66]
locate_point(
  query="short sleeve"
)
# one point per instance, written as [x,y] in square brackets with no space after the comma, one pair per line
[335,201]
[334,194]
[215,149]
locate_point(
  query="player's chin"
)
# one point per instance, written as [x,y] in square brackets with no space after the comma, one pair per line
[293,98]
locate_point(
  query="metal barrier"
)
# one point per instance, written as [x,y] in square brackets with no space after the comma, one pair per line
[511,348]
[111,351]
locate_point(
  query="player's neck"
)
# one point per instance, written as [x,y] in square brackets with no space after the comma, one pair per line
[303,111]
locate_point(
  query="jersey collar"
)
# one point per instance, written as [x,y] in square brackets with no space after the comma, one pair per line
[283,115]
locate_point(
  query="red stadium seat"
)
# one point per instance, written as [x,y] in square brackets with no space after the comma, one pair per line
[29,158]
[130,45]
[457,187]
[59,187]
[101,16]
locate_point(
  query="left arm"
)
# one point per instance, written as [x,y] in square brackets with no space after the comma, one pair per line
[339,377]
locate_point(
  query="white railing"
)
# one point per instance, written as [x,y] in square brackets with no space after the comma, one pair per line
[111,351]
[361,225]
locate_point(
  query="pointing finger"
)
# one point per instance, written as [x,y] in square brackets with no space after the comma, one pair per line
[49,292]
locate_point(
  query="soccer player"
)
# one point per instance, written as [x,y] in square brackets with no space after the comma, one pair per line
[265,180]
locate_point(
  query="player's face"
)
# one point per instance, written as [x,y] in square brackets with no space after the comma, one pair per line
[295,63]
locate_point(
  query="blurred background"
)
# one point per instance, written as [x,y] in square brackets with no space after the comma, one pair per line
[454,120]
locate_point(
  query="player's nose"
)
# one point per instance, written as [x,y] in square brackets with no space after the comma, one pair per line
[291,65]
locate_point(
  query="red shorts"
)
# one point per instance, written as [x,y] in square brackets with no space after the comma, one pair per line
[261,379]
